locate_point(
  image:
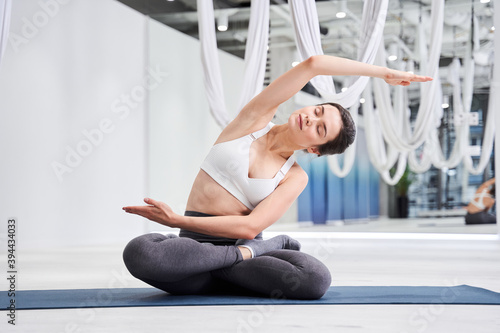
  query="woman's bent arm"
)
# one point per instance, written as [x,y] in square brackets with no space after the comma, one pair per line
[233,226]
[267,212]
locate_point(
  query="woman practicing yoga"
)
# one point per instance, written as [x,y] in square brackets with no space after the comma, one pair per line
[483,201]
[246,183]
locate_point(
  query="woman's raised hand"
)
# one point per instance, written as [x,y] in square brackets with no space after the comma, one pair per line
[156,211]
[396,78]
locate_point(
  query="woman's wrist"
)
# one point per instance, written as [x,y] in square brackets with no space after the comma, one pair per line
[177,221]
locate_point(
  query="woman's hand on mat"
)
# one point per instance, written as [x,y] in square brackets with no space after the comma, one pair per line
[156,211]
[400,78]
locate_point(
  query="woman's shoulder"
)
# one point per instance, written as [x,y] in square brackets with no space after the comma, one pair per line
[297,174]
[248,121]
[241,127]
[299,171]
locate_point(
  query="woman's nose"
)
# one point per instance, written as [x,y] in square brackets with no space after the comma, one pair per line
[310,120]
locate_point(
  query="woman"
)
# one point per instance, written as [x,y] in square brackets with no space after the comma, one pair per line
[477,209]
[247,182]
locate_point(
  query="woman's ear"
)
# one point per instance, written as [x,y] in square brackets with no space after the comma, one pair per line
[313,150]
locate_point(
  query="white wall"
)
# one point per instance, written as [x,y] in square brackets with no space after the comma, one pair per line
[182,129]
[65,72]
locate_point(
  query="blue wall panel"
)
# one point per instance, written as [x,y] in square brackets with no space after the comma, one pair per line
[363,177]
[330,198]
[351,194]
[374,192]
[335,197]
[318,190]
[304,200]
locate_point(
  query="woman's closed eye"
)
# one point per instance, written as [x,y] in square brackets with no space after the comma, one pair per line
[318,112]
[318,129]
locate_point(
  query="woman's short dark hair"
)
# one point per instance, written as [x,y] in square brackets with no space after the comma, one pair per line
[345,137]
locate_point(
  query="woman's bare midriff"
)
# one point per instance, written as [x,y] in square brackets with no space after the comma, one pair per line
[208,197]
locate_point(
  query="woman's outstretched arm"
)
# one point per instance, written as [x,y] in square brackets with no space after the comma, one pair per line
[485,185]
[291,82]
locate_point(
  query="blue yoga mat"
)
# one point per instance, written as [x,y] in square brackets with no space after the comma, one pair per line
[134,297]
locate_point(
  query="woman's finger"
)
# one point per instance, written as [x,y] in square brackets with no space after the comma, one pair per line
[151,201]
[133,207]
[133,211]
[158,204]
[149,212]
[139,209]
[420,78]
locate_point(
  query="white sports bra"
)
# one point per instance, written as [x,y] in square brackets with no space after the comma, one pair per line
[478,199]
[228,162]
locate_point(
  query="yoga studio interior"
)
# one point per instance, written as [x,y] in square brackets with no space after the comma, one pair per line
[104,103]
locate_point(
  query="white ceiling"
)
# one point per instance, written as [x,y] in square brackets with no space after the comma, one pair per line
[343,34]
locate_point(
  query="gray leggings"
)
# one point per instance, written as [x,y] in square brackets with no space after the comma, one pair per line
[480,218]
[185,266]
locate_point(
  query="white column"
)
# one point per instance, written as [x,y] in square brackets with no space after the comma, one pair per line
[496,84]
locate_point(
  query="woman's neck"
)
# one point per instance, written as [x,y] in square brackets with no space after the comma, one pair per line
[279,142]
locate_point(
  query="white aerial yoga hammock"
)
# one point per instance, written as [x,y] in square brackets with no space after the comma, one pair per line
[432,153]
[381,158]
[428,116]
[210,62]
[308,39]
[489,126]
[489,135]
[255,57]
[395,121]
[462,101]
[432,149]
[5,13]
[255,51]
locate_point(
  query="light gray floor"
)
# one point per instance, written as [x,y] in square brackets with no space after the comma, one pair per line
[352,261]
